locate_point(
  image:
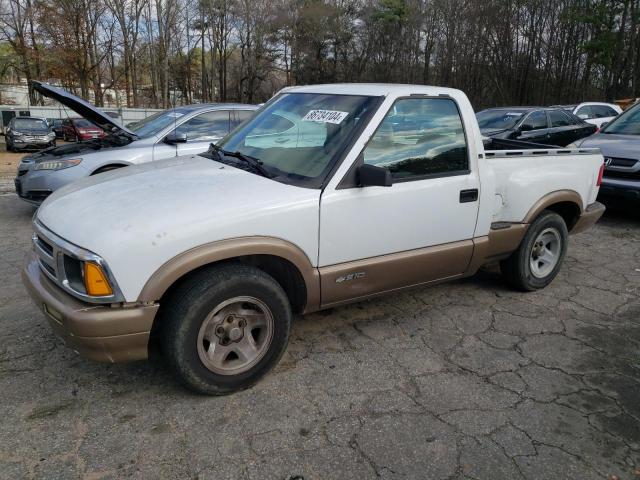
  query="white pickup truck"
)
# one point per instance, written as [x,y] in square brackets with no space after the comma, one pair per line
[330,194]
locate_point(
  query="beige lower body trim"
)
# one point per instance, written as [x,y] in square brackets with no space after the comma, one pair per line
[589,217]
[353,281]
[504,241]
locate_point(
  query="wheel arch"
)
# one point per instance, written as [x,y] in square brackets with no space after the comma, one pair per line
[111,163]
[285,262]
[566,203]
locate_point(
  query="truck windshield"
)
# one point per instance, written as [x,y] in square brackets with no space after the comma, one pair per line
[297,137]
[499,119]
[627,123]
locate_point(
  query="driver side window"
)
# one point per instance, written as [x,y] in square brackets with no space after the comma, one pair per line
[420,137]
[206,126]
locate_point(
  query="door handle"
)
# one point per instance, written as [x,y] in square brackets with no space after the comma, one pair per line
[468,196]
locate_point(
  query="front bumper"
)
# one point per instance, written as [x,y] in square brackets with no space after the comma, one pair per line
[35,186]
[620,188]
[98,332]
[589,217]
[32,144]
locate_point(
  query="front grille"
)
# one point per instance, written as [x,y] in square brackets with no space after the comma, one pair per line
[621,162]
[622,175]
[49,269]
[36,195]
[44,245]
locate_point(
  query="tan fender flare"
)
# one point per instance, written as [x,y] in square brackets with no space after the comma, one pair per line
[559,196]
[209,253]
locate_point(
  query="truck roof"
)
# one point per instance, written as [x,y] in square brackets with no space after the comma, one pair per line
[373,89]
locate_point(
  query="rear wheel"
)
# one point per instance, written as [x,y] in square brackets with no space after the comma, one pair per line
[537,261]
[225,328]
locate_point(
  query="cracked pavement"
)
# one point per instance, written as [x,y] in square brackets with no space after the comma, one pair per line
[463,380]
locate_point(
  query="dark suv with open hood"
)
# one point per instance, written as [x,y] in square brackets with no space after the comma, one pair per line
[179,131]
[29,133]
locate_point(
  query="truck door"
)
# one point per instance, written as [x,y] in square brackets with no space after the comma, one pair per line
[374,239]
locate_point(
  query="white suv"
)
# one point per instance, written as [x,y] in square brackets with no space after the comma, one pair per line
[596,113]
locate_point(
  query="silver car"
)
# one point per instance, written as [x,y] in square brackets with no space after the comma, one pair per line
[619,142]
[179,131]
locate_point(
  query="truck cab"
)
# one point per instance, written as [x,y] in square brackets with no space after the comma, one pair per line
[330,194]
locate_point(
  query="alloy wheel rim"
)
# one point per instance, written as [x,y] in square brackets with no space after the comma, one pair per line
[235,335]
[545,253]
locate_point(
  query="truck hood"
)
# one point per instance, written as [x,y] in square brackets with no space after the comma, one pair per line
[149,213]
[623,146]
[82,107]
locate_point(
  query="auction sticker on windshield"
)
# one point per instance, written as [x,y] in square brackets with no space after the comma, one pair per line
[325,116]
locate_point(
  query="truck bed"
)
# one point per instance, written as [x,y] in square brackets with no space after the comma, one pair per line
[526,172]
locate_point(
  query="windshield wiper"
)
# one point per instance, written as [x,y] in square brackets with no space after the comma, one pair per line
[255,164]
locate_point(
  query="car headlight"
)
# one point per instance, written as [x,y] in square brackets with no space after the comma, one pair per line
[57,164]
[17,134]
[572,145]
[51,135]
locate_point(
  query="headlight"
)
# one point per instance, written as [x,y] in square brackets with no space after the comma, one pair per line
[572,145]
[17,134]
[51,135]
[57,164]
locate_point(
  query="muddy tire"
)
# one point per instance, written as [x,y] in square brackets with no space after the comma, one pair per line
[539,257]
[224,328]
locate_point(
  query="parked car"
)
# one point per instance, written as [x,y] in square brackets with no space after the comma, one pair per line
[211,253]
[179,131]
[29,133]
[549,126]
[78,129]
[596,113]
[619,142]
[56,127]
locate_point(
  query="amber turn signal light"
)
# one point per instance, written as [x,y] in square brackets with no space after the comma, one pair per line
[95,281]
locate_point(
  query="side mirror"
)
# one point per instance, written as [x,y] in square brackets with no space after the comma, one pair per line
[174,138]
[525,128]
[583,116]
[372,176]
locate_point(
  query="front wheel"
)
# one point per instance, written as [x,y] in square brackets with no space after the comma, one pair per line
[539,257]
[225,328]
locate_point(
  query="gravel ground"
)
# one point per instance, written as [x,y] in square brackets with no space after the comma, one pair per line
[465,380]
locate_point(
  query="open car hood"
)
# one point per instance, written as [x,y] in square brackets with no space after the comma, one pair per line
[82,107]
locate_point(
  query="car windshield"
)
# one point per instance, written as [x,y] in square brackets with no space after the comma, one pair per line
[627,123]
[153,124]
[297,136]
[30,123]
[499,119]
[82,123]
